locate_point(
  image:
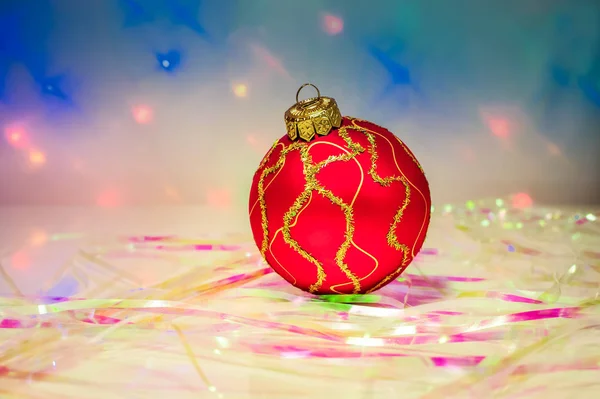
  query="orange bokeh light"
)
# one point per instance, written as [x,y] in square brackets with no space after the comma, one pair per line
[332,25]
[37,158]
[142,114]
[38,237]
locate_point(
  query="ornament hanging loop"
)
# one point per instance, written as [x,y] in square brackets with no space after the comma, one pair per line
[306,85]
[312,117]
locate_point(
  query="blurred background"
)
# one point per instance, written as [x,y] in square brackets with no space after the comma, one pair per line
[118,103]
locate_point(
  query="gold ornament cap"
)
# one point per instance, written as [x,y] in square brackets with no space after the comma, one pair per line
[311,117]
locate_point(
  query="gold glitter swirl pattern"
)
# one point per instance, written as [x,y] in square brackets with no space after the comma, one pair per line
[386,181]
[406,150]
[268,156]
[427,209]
[279,231]
[262,164]
[392,238]
[405,179]
[310,171]
[261,192]
[347,209]
[291,214]
[356,148]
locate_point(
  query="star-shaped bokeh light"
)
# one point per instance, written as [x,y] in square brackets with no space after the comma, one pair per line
[398,74]
[24,30]
[52,86]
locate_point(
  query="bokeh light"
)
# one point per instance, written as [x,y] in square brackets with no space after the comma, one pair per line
[38,237]
[499,127]
[16,136]
[273,62]
[331,24]
[240,90]
[37,158]
[109,199]
[522,200]
[142,114]
[20,260]
[169,61]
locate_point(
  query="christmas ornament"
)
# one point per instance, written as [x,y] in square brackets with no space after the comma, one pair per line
[338,205]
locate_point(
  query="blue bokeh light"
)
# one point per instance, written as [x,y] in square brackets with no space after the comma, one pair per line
[169,61]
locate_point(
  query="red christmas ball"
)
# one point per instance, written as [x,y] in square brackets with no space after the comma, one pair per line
[343,213]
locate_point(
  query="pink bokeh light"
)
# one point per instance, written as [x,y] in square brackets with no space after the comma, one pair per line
[522,200]
[331,24]
[16,136]
[142,114]
[20,260]
[499,127]
[109,199]
[263,54]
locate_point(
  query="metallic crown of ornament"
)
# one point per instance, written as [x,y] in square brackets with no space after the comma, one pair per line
[313,116]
